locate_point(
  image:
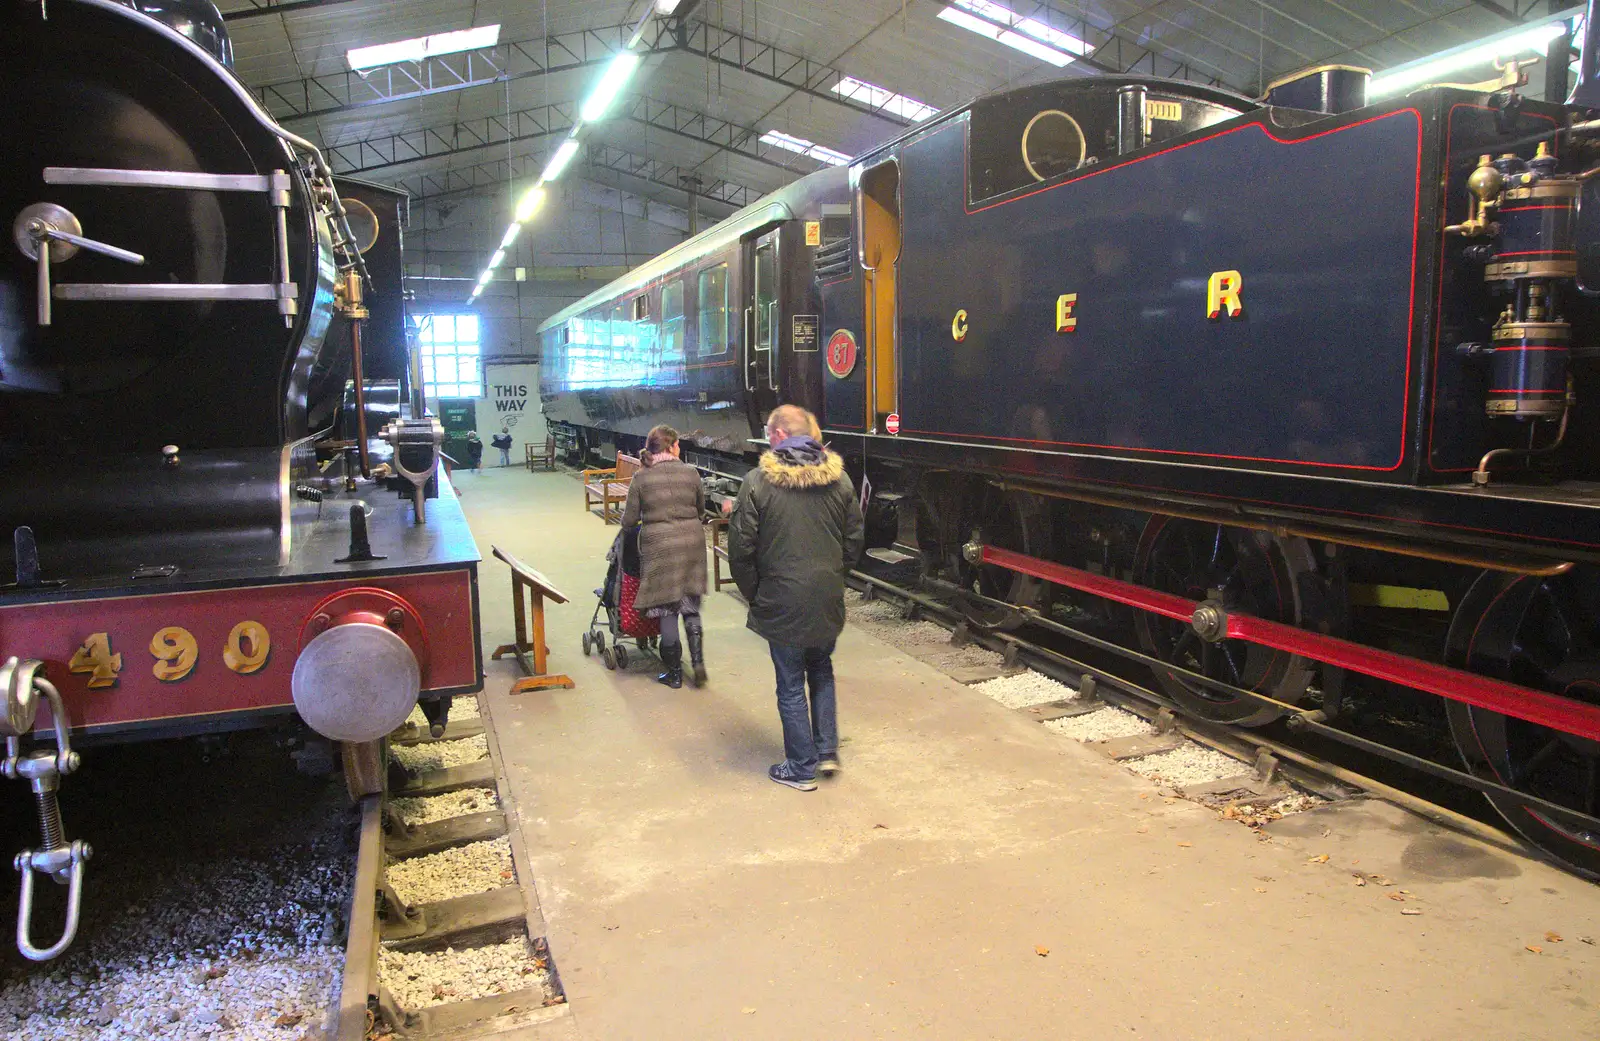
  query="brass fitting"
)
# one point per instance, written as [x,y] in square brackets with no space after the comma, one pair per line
[1484,186]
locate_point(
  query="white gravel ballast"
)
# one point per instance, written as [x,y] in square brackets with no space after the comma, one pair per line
[1107,723]
[1024,689]
[1187,764]
[423,978]
[473,868]
[438,755]
[442,807]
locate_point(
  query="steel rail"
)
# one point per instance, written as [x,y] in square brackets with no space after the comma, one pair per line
[1305,770]
[359,981]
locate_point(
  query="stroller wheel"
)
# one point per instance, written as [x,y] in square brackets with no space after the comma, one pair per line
[587,647]
[621,653]
[607,657]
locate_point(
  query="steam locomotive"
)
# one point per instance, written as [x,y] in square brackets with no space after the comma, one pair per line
[219,476]
[1295,395]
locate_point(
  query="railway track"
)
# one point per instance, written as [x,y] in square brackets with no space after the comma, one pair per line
[1266,760]
[433,953]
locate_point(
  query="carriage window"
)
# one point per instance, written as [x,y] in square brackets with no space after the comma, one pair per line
[714,310]
[672,322]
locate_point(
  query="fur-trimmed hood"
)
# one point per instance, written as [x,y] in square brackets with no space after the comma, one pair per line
[788,468]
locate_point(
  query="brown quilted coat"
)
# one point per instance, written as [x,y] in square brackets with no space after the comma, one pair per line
[665,500]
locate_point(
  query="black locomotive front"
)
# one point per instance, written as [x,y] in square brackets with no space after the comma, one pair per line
[201,536]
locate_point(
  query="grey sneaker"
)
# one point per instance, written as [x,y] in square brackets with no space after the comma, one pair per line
[828,765]
[785,773]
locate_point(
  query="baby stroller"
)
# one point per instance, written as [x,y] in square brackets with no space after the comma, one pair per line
[615,598]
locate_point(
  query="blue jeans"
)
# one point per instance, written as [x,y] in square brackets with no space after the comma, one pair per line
[809,730]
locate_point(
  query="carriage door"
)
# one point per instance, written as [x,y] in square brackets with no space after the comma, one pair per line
[878,203]
[762,322]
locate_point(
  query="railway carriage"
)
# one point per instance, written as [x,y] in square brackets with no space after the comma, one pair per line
[1294,395]
[209,530]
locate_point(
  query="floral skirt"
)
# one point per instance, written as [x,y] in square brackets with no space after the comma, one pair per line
[688,605]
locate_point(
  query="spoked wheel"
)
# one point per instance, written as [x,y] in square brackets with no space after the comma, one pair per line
[1014,521]
[1257,574]
[1542,633]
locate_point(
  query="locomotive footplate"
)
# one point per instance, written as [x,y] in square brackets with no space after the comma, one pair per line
[211,643]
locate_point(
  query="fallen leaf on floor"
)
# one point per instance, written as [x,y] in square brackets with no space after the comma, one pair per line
[1326,832]
[1186,844]
[1409,910]
[1397,896]
[885,827]
[1382,880]
[1552,937]
[1586,939]
[1265,878]
[1143,829]
[288,1019]
[748,1011]
[1261,889]
[1321,858]
[1043,952]
[1144,795]
[1360,881]
[1535,948]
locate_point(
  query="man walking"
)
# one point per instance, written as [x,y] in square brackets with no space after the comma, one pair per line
[796,530]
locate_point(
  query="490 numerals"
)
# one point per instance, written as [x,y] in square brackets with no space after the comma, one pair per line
[176,654]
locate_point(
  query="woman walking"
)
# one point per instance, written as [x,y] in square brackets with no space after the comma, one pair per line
[665,499]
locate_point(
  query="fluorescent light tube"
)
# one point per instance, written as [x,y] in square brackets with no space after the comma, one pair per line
[496,260]
[559,161]
[423,47]
[605,92]
[529,205]
[1427,70]
[510,236]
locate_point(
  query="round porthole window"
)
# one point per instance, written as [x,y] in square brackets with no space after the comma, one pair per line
[1052,144]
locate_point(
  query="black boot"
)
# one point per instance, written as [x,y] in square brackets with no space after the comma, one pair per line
[672,658]
[695,636]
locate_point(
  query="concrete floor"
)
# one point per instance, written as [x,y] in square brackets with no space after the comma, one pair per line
[969,874]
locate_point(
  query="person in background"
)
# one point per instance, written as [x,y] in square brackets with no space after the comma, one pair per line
[796,530]
[665,499]
[502,441]
[474,451]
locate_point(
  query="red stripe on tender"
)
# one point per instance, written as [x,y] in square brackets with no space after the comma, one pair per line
[1510,699]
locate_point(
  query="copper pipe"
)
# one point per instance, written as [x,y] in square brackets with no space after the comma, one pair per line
[361,399]
[1540,570]
[1480,476]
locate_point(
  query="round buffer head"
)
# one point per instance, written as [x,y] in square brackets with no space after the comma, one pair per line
[355,682]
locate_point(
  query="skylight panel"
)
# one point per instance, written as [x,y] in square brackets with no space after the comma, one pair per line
[884,98]
[811,149]
[423,47]
[1003,25]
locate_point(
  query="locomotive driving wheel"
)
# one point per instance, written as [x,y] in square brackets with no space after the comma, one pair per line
[1254,573]
[1542,633]
[1015,521]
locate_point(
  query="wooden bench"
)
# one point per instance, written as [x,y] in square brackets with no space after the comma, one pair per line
[529,648]
[607,488]
[545,458]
